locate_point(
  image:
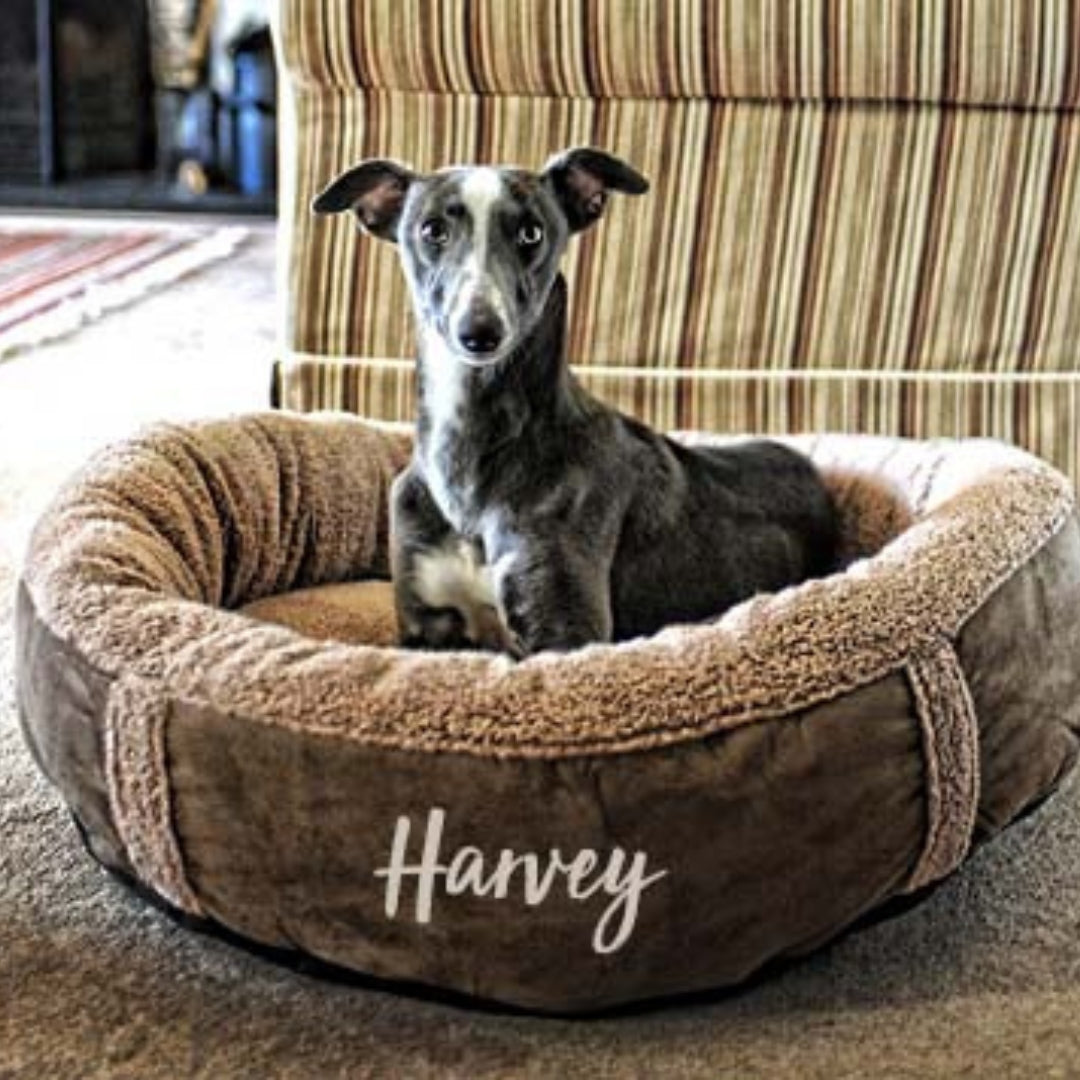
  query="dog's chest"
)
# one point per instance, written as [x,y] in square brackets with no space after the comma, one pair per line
[453,575]
[449,470]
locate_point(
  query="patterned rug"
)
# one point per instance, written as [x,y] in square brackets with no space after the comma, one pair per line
[56,276]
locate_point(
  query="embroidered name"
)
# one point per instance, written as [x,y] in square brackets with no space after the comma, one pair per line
[621,876]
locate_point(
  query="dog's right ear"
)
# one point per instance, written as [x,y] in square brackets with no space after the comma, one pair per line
[374,190]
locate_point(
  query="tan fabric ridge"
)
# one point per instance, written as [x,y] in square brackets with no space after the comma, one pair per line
[950,733]
[139,790]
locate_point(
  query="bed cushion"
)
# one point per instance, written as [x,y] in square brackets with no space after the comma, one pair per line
[206,672]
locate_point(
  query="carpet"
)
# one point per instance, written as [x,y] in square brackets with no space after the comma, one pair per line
[56,277]
[981,980]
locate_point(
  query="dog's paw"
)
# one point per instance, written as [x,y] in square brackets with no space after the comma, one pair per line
[436,628]
[449,628]
[492,633]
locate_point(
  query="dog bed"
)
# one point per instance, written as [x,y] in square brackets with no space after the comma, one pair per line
[230,723]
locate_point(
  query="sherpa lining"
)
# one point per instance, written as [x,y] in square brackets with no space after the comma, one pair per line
[144,552]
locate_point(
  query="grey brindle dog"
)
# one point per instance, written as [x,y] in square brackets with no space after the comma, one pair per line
[532,516]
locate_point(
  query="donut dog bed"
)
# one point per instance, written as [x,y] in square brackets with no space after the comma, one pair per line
[206,671]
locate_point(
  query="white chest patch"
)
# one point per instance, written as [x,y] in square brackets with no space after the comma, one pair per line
[444,399]
[444,381]
[453,576]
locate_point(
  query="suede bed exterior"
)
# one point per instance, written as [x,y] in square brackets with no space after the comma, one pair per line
[789,767]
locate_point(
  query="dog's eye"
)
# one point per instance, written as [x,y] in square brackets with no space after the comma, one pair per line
[530,234]
[435,231]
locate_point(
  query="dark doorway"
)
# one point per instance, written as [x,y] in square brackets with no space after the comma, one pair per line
[92,117]
[75,89]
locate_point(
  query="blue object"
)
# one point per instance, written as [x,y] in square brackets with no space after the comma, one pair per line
[255,148]
[251,121]
[253,79]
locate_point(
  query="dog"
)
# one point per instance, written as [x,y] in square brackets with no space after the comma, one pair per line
[532,516]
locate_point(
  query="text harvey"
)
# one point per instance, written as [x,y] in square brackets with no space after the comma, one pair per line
[621,876]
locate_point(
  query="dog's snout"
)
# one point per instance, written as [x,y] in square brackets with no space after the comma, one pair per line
[481,341]
[480,332]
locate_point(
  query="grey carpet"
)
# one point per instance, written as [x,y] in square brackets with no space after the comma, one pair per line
[981,980]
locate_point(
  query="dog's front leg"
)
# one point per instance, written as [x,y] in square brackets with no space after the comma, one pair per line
[554,593]
[442,590]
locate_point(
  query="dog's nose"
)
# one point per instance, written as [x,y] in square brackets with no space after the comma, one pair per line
[480,333]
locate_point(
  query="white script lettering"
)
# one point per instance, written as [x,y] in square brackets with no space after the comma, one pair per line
[623,878]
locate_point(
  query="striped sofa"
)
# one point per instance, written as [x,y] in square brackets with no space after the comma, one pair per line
[864,216]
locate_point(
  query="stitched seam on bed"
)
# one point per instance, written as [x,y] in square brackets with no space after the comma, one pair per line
[140,794]
[950,739]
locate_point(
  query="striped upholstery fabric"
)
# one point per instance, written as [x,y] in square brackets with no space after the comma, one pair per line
[864,216]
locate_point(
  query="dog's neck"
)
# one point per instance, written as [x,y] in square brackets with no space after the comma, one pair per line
[484,406]
[471,418]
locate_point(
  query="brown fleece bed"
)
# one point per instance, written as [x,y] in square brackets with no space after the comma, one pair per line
[236,733]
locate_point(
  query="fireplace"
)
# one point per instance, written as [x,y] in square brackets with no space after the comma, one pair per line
[75,88]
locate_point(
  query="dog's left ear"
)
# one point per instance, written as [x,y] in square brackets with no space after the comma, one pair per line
[374,190]
[582,178]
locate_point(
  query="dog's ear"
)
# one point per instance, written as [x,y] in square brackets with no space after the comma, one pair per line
[582,178]
[374,190]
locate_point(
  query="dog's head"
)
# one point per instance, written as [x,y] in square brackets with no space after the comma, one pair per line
[480,245]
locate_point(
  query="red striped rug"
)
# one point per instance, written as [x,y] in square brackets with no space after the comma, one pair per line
[55,277]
